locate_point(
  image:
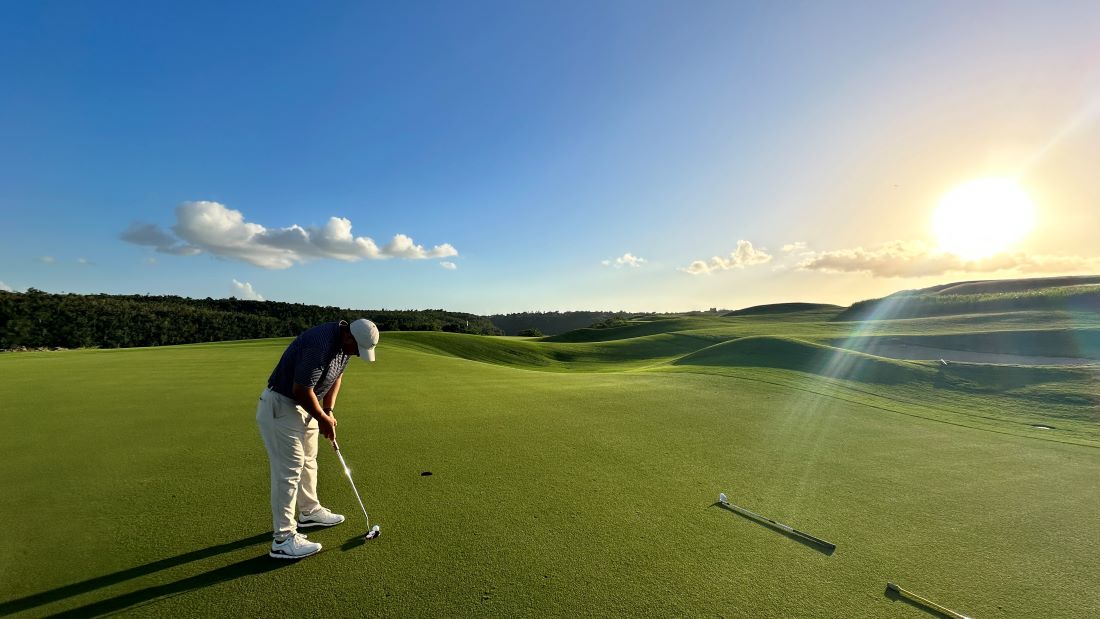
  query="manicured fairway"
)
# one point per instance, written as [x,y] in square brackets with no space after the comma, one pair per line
[561,484]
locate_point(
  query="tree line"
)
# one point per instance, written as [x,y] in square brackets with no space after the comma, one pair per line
[36,319]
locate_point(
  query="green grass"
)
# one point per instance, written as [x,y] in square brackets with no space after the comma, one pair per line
[794,354]
[572,476]
[1060,342]
[614,355]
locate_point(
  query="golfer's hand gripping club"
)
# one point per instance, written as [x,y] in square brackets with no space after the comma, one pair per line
[327,426]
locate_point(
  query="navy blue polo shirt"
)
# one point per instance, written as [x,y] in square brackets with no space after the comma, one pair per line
[314,359]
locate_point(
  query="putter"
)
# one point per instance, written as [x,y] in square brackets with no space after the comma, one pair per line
[925,602]
[374,531]
[782,527]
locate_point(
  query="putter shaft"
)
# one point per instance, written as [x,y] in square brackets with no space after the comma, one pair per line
[793,531]
[347,472]
[925,601]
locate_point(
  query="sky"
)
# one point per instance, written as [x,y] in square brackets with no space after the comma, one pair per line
[494,157]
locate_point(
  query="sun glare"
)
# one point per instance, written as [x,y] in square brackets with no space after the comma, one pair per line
[983,217]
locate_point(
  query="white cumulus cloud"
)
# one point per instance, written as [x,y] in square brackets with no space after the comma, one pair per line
[403,247]
[919,259]
[626,260]
[211,227]
[221,231]
[5,287]
[446,264]
[47,260]
[796,246]
[744,256]
[244,290]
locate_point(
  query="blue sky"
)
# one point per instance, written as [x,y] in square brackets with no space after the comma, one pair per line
[567,155]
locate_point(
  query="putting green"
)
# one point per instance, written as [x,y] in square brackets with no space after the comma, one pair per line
[570,477]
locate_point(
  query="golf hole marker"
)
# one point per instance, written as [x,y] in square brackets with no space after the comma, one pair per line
[829,546]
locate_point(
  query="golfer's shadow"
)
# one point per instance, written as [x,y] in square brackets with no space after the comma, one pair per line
[894,596]
[800,540]
[255,565]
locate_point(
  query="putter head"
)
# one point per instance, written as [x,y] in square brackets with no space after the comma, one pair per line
[722,498]
[374,532]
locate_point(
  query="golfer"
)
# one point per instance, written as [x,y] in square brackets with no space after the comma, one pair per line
[298,404]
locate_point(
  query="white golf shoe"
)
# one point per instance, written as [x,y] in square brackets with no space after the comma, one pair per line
[294,547]
[320,517]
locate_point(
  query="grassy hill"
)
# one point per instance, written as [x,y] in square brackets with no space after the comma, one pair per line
[1074,294]
[993,286]
[781,308]
[576,475]
[809,347]
[794,354]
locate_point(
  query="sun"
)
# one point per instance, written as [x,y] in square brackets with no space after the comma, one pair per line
[983,217]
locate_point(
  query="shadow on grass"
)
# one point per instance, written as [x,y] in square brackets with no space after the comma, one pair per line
[359,540]
[251,566]
[354,542]
[805,542]
[894,596]
[255,565]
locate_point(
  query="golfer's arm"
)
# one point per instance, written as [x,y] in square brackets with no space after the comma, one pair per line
[307,399]
[330,397]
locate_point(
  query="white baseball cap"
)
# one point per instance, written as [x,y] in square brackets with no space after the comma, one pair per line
[366,336]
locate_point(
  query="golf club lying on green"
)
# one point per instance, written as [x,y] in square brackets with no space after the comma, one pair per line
[924,601]
[374,531]
[779,525]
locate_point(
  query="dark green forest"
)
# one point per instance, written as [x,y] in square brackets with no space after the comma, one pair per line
[36,319]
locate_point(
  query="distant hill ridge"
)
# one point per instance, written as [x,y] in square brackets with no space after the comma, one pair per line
[781,308]
[1010,285]
[1070,293]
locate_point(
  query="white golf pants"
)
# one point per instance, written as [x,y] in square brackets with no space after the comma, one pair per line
[290,436]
